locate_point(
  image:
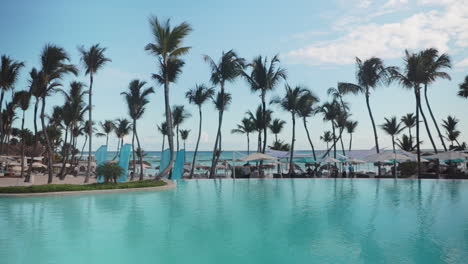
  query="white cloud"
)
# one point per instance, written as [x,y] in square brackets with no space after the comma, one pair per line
[443,30]
[462,63]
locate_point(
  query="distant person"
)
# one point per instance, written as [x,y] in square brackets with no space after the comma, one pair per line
[351,170]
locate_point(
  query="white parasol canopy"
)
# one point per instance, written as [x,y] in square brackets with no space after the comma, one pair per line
[330,160]
[356,161]
[449,155]
[256,156]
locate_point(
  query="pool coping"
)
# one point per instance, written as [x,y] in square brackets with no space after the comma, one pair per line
[169,185]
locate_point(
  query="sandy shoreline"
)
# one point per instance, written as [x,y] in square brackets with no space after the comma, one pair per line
[40,179]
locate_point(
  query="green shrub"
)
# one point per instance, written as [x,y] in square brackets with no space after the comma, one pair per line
[110,171]
[76,187]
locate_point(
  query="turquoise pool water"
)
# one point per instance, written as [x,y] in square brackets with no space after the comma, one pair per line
[244,221]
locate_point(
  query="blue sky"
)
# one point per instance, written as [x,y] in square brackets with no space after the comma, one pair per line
[317,43]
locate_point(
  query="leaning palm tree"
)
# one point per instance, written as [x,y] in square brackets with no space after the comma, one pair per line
[168,48]
[409,121]
[433,64]
[93,59]
[291,102]
[179,115]
[54,66]
[450,125]
[228,68]
[163,130]
[264,77]
[137,99]
[9,71]
[331,111]
[350,128]
[276,127]
[463,91]
[184,133]
[392,127]
[107,127]
[22,99]
[307,109]
[221,103]
[246,127]
[369,75]
[198,96]
[122,129]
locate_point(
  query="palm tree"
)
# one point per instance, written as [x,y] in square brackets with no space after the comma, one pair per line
[327,137]
[291,102]
[264,77]
[369,75]
[163,130]
[198,96]
[184,133]
[93,59]
[22,99]
[246,127]
[9,71]
[307,109]
[221,102]
[122,129]
[8,117]
[433,64]
[409,121]
[179,115]
[406,143]
[463,92]
[228,68]
[331,111]
[350,128]
[35,83]
[107,127]
[54,66]
[137,98]
[276,127]
[392,128]
[259,123]
[168,48]
[450,125]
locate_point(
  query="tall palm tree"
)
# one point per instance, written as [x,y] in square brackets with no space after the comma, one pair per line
[163,130]
[369,75]
[221,102]
[406,143]
[227,69]
[264,77]
[327,137]
[8,117]
[351,128]
[246,127]
[122,129]
[259,123]
[463,88]
[54,66]
[168,48]
[433,64]
[409,121]
[392,127]
[307,109]
[107,127]
[9,71]
[276,127]
[450,125]
[198,96]
[22,99]
[184,133]
[291,102]
[93,59]
[179,115]
[331,111]
[137,99]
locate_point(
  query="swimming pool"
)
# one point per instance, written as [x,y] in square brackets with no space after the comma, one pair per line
[244,221]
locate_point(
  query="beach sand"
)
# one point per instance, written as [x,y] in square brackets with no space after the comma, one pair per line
[40,179]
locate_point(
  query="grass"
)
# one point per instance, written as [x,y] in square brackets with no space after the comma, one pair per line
[76,187]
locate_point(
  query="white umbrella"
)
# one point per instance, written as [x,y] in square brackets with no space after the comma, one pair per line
[256,156]
[330,160]
[355,161]
[386,156]
[449,155]
[38,165]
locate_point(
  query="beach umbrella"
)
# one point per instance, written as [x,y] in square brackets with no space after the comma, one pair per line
[386,156]
[450,156]
[330,160]
[256,157]
[38,165]
[305,160]
[355,161]
[59,165]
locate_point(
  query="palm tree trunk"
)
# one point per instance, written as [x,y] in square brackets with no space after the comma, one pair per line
[372,120]
[342,145]
[216,149]
[411,137]
[418,150]
[334,139]
[177,132]
[49,146]
[162,147]
[428,130]
[28,176]
[22,146]
[1,120]
[265,124]
[291,155]
[198,142]
[170,132]
[140,157]
[107,139]
[394,160]
[133,153]
[64,154]
[433,118]
[248,144]
[308,137]
[333,145]
[350,141]
[82,148]
[90,132]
